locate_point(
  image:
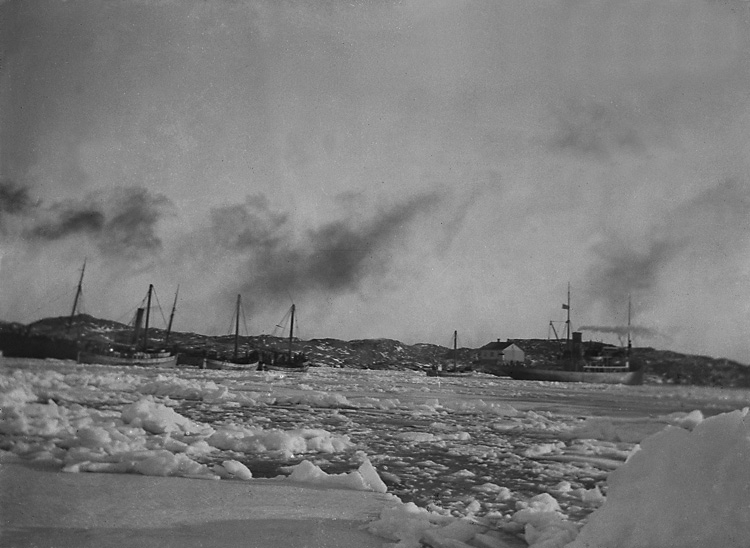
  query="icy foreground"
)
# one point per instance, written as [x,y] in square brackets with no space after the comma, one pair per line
[687,485]
[682,489]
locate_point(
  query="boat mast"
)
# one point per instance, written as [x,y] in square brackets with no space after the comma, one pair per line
[455,343]
[171,316]
[148,313]
[567,325]
[291,333]
[627,354]
[237,329]
[79,292]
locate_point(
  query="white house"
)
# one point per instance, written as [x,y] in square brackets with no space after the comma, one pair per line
[500,352]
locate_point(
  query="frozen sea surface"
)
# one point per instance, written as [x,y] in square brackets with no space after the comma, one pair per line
[470,446]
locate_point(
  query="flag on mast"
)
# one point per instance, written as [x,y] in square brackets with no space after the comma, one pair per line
[565,307]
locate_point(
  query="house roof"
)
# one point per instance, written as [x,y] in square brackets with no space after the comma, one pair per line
[497,345]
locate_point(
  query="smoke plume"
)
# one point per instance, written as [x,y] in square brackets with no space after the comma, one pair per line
[589,127]
[68,222]
[131,228]
[272,259]
[14,199]
[338,256]
[622,331]
[679,254]
[122,224]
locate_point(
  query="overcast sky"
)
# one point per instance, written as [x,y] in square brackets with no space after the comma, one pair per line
[396,169]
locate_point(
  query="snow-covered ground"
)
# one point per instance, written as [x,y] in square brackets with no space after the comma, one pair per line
[476,461]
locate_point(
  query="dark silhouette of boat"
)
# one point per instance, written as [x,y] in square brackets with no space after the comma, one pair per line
[289,361]
[593,364]
[137,351]
[237,360]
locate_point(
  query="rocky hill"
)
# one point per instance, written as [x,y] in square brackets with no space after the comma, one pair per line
[57,337]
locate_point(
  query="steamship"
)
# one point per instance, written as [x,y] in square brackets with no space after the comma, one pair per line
[136,352]
[596,363]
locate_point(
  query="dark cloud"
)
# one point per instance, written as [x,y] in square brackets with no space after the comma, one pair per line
[130,231]
[706,231]
[621,270]
[249,226]
[591,127]
[14,199]
[340,255]
[122,223]
[69,222]
[336,257]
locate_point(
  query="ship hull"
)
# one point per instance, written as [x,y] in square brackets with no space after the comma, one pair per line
[228,364]
[285,369]
[22,345]
[433,373]
[561,375]
[144,359]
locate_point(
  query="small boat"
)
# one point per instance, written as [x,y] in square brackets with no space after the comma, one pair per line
[289,361]
[235,361]
[608,366]
[137,352]
[439,371]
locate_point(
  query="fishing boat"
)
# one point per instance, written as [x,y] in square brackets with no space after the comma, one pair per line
[289,361]
[439,370]
[236,360]
[602,364]
[136,352]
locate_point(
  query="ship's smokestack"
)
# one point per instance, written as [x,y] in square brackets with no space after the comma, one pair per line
[138,322]
[577,345]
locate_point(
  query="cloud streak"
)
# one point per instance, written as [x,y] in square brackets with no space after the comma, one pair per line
[337,257]
[590,127]
[131,228]
[123,223]
[69,222]
[14,199]
[687,263]
[341,254]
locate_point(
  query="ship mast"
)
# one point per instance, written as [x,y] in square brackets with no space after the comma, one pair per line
[455,343]
[237,330]
[171,316]
[148,314]
[627,354]
[291,333]
[567,325]
[79,292]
